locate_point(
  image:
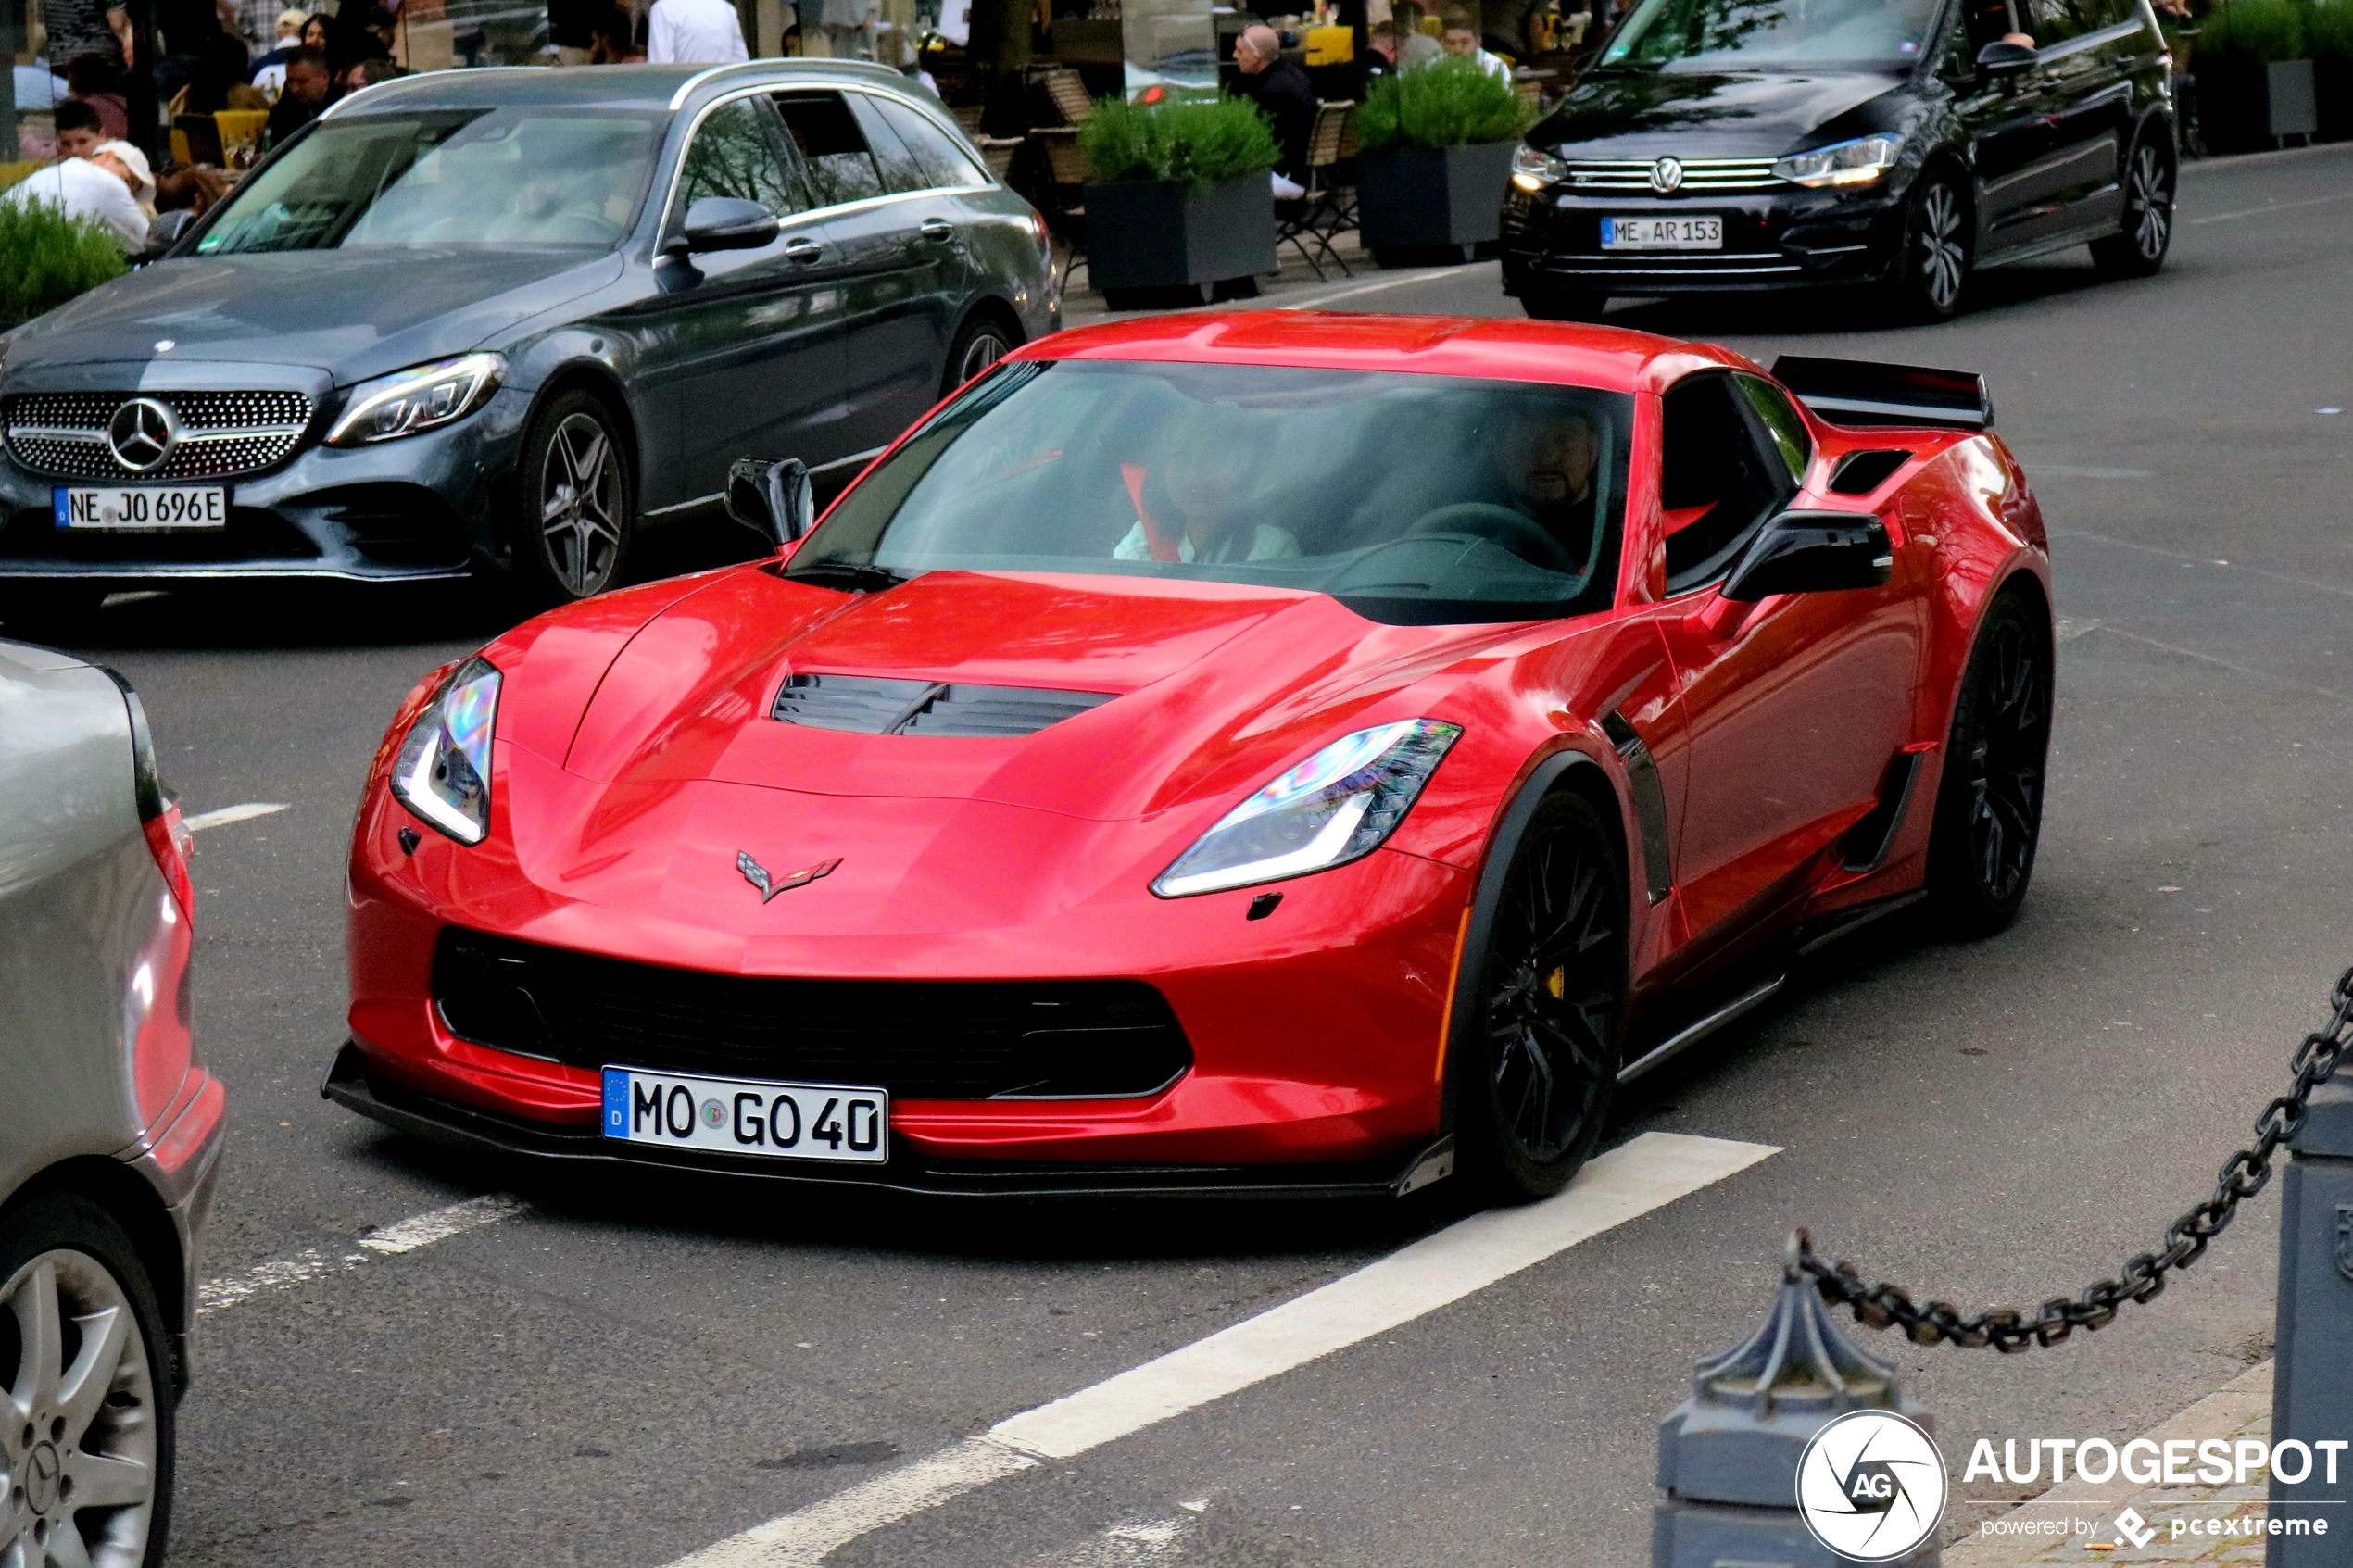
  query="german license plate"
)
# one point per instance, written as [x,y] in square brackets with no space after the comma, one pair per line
[143,506]
[747,1116]
[1662,234]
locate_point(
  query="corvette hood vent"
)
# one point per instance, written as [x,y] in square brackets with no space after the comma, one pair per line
[877,705]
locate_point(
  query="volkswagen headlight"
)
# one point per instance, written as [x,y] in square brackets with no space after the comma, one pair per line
[1843,163]
[1533,168]
[442,773]
[414,401]
[1335,806]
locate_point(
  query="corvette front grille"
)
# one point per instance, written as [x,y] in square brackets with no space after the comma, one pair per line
[222,434]
[1708,176]
[920,1039]
[880,705]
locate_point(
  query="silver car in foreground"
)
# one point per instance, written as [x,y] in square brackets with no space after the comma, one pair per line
[111,1128]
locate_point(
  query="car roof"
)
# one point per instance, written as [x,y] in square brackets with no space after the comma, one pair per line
[657,88]
[1609,358]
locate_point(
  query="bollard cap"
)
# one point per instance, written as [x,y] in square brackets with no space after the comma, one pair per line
[1753,1409]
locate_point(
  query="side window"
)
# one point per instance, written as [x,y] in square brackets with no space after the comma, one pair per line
[831,148]
[900,170]
[1783,427]
[738,153]
[1717,483]
[946,164]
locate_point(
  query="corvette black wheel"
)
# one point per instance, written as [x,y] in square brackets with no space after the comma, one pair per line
[2138,249]
[1935,264]
[1540,1073]
[1989,806]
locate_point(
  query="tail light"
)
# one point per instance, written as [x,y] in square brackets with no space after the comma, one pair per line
[1038,223]
[168,836]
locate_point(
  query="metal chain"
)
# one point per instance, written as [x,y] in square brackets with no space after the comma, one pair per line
[2009,1330]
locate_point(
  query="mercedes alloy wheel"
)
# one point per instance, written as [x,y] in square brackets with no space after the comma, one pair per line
[576,533]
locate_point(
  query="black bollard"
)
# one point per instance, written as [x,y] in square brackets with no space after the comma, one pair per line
[2313,1382]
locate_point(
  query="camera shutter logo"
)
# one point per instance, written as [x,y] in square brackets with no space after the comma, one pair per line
[1667,176]
[143,433]
[1871,1487]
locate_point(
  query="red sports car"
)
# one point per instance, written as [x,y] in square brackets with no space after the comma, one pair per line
[1237,753]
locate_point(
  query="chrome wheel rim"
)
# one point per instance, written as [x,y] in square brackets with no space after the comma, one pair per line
[1943,259]
[2005,759]
[2151,200]
[580,504]
[78,1459]
[1553,979]
[985,348]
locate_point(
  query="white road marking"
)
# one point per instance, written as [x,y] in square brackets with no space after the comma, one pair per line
[1320,300]
[1124,1546]
[2071,629]
[1647,1173]
[228,814]
[2275,206]
[218,1294]
[2070,471]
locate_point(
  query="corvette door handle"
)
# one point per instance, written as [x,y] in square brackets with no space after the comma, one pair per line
[936,230]
[804,251]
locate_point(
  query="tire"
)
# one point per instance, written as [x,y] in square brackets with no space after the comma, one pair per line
[980,343]
[2138,249]
[1562,305]
[1989,804]
[63,1258]
[1932,272]
[576,500]
[1539,1069]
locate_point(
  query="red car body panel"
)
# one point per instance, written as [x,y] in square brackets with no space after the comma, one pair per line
[633,758]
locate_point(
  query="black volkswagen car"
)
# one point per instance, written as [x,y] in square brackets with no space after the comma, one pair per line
[499,320]
[1736,144]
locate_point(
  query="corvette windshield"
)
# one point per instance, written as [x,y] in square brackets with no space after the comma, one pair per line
[1413,499]
[1771,35]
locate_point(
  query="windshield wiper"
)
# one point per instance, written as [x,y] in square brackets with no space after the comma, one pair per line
[850,574]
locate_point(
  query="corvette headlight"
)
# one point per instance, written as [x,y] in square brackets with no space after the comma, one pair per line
[442,773]
[1533,168]
[1844,163]
[1335,806]
[413,401]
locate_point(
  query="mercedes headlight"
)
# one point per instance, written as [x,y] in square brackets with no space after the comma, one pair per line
[1335,806]
[1843,163]
[413,401]
[1533,168]
[442,773]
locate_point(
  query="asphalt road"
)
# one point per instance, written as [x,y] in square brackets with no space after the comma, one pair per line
[622,1373]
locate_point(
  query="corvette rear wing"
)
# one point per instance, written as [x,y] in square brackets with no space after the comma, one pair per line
[1859,391]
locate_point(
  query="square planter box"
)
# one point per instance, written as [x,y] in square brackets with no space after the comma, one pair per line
[2332,98]
[1159,234]
[2247,106]
[1413,199]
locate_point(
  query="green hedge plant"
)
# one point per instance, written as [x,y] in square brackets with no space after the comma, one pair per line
[1199,142]
[2252,29]
[2328,30]
[46,258]
[1449,102]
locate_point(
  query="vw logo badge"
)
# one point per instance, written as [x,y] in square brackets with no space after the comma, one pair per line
[143,433]
[1667,176]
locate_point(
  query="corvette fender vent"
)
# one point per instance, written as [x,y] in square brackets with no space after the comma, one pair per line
[921,1039]
[1859,473]
[877,705]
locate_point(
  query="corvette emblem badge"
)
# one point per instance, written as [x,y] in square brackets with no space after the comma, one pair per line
[757,874]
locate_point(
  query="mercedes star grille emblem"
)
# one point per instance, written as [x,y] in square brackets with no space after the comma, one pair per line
[1667,176]
[143,433]
[757,874]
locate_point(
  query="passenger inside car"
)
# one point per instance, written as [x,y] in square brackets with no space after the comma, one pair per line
[1193,505]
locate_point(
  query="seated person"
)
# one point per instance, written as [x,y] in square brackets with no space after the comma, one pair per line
[1188,502]
[1550,469]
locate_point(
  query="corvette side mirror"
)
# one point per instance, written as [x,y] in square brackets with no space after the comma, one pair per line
[772,498]
[2002,57]
[1812,553]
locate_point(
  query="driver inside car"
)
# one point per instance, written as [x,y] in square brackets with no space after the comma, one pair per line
[1550,469]
[1190,503]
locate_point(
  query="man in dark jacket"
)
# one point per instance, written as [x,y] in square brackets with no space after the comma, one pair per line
[1283,94]
[308,86]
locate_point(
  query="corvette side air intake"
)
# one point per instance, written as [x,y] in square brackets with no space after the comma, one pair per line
[1861,392]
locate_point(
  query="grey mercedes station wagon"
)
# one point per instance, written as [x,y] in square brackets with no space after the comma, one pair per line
[502,320]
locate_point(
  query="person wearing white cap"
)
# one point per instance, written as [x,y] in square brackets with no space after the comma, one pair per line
[103,188]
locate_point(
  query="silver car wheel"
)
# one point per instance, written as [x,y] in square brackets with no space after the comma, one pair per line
[985,349]
[1943,261]
[78,1461]
[2151,200]
[580,505]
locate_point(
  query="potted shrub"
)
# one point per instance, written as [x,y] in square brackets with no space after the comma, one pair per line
[1437,153]
[1178,198]
[2254,78]
[46,258]
[2328,38]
